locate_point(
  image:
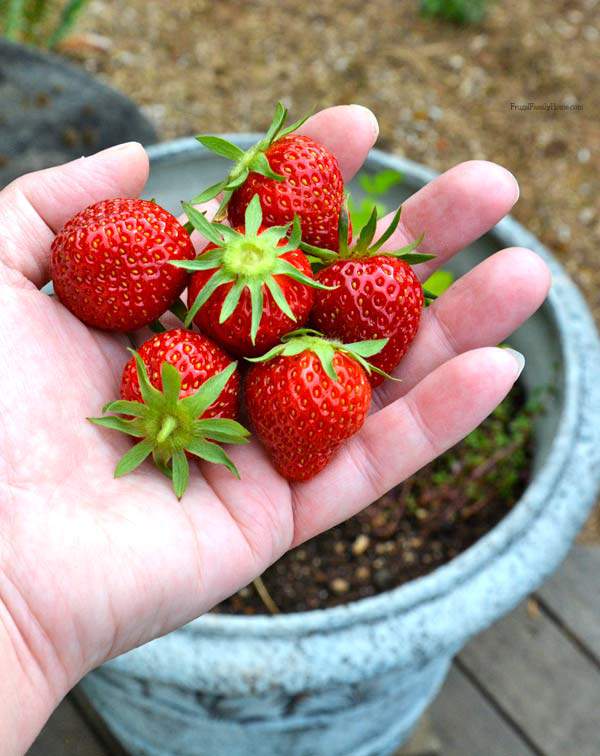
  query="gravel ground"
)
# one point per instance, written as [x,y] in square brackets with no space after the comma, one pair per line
[442,93]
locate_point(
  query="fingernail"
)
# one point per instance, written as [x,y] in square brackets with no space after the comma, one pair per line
[119,147]
[371,116]
[516,188]
[519,359]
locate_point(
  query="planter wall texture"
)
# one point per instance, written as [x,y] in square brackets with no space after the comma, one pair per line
[52,112]
[352,681]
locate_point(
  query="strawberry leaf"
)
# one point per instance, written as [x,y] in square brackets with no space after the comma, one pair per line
[221,147]
[217,279]
[196,404]
[171,383]
[134,458]
[212,453]
[279,298]
[260,164]
[366,348]
[136,409]
[221,429]
[201,224]
[253,216]
[257,302]
[232,299]
[117,423]
[180,473]
[210,193]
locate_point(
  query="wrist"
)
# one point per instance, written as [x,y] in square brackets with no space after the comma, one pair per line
[27,698]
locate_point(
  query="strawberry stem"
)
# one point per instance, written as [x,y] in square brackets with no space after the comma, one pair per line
[168,426]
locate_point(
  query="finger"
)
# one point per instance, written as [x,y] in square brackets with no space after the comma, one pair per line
[453,210]
[400,439]
[349,131]
[34,207]
[481,309]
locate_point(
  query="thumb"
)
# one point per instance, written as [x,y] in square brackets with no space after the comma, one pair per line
[34,207]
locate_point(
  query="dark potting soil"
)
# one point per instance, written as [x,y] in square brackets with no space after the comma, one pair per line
[417,526]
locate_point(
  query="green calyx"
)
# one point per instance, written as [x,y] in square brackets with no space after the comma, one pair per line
[307,339]
[168,426]
[248,260]
[252,160]
[364,245]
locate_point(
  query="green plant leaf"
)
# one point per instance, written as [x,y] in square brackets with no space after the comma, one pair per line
[218,278]
[66,22]
[366,348]
[284,268]
[221,147]
[260,164]
[208,393]
[135,409]
[224,430]
[296,235]
[15,18]
[212,453]
[381,182]
[147,390]
[279,297]
[278,120]
[326,354]
[201,224]
[257,302]
[367,232]
[180,473]
[343,230]
[439,282]
[133,458]
[171,383]
[253,216]
[232,299]
[205,261]
[117,423]
[293,126]
[388,231]
[210,193]
[415,259]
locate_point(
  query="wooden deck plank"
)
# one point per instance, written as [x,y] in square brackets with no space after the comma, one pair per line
[466,724]
[67,734]
[572,596]
[541,681]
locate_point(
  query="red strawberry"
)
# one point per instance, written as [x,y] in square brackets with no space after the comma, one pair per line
[179,394]
[291,174]
[251,285]
[371,295]
[109,263]
[306,396]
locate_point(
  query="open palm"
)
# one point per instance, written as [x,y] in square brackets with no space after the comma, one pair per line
[91,566]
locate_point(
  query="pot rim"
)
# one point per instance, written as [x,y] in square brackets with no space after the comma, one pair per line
[570,316]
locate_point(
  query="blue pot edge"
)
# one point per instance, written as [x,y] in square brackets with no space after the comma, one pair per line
[573,426]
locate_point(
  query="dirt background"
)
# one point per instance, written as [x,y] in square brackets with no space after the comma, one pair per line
[442,93]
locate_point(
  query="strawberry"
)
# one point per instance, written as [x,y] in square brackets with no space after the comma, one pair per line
[109,263]
[290,173]
[179,394]
[306,396]
[251,285]
[370,295]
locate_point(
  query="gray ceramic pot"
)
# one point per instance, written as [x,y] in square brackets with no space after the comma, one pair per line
[352,681]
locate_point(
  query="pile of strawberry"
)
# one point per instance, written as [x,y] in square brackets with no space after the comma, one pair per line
[283,261]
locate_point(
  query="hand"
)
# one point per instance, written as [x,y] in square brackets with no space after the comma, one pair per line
[91,566]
